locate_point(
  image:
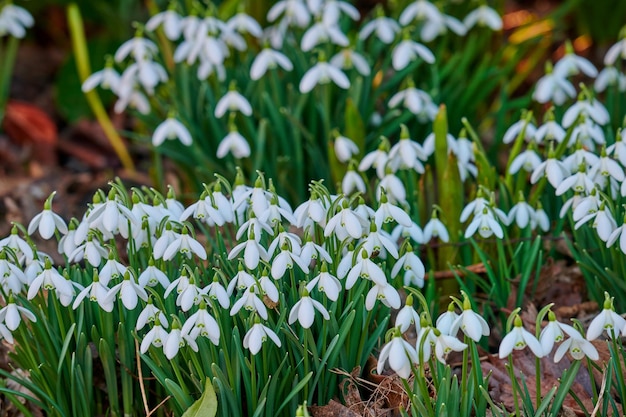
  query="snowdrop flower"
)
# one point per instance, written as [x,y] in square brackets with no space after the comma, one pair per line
[253,252]
[170,20]
[407,154]
[244,23]
[112,269]
[235,144]
[386,293]
[285,260]
[147,74]
[378,243]
[384,27]
[171,129]
[107,78]
[393,186]
[483,16]
[365,268]
[345,224]
[588,134]
[293,11]
[413,231]
[138,47]
[486,225]
[352,182]
[527,160]
[201,323]
[129,96]
[378,159]
[387,213]
[577,345]
[47,222]
[408,51]
[618,233]
[444,344]
[97,292]
[269,59]
[91,250]
[435,228]
[14,20]
[572,64]
[517,339]
[258,334]
[49,279]
[516,129]
[129,292]
[446,319]
[609,76]
[348,58]
[112,216]
[412,266]
[11,314]
[176,339]
[304,311]
[589,108]
[522,213]
[579,182]
[233,101]
[151,276]
[407,316]
[312,251]
[250,301]
[551,334]
[184,245]
[618,50]
[155,337]
[434,23]
[553,87]
[540,219]
[323,31]
[326,283]
[323,73]
[18,245]
[150,314]
[344,147]
[553,169]
[416,101]
[471,323]
[399,354]
[331,9]
[550,130]
[607,320]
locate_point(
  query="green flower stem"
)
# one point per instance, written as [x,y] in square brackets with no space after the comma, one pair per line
[509,367]
[79,45]
[6,71]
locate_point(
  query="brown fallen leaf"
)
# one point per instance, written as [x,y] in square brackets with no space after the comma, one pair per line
[28,125]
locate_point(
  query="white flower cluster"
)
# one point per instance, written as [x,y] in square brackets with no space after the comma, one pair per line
[204,41]
[268,251]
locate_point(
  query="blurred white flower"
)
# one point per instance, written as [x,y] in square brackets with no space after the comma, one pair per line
[323,73]
[408,51]
[384,27]
[171,129]
[235,144]
[348,58]
[618,50]
[171,22]
[14,20]
[483,16]
[233,101]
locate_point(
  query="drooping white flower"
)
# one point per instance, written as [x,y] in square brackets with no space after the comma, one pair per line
[293,12]
[486,224]
[155,337]
[250,301]
[138,47]
[383,292]
[253,251]
[553,87]
[483,16]
[321,32]
[18,245]
[326,283]
[577,345]
[435,228]
[551,334]
[11,314]
[413,268]
[416,101]
[527,160]
[184,245]
[384,27]
[170,129]
[258,334]
[553,169]
[152,275]
[365,268]
[470,322]
[14,20]
[607,320]
[517,339]
[348,58]
[201,323]
[107,78]
[285,260]
[446,320]
[345,148]
[345,224]
[407,316]
[171,22]
[521,212]
[244,23]
[399,354]
[445,344]
[235,144]
[618,50]
[47,222]
[175,340]
[407,51]
[572,64]
[323,73]
[269,59]
[50,279]
[150,314]
[233,101]
[129,292]
[304,311]
[589,109]
[516,129]
[352,182]
[609,76]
